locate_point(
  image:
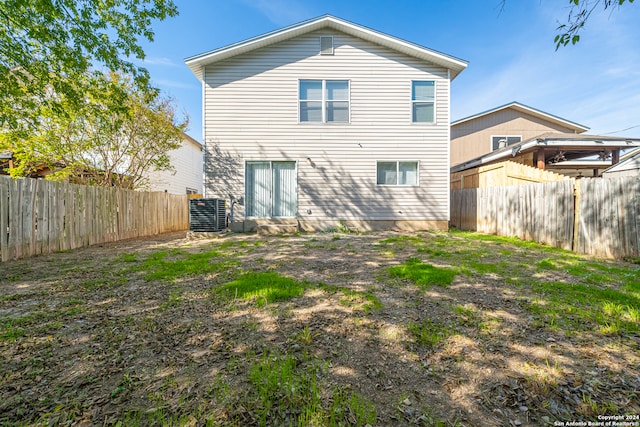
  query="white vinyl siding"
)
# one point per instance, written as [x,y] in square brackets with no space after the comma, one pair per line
[270,189]
[252,114]
[186,174]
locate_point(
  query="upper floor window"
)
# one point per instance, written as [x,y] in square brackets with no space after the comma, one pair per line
[324,101]
[326,45]
[423,101]
[501,141]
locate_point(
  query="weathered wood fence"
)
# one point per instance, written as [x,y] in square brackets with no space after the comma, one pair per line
[39,217]
[593,216]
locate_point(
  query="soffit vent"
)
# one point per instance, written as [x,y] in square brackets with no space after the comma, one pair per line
[326,45]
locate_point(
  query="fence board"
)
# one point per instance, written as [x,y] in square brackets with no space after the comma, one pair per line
[4,219]
[15,219]
[634,209]
[38,216]
[592,216]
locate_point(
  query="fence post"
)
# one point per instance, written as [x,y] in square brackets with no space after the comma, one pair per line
[4,218]
[576,214]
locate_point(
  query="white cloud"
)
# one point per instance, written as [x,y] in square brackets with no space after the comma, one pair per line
[176,84]
[167,62]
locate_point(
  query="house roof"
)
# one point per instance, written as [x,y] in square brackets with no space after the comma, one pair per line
[6,154]
[192,140]
[197,62]
[590,144]
[629,161]
[528,110]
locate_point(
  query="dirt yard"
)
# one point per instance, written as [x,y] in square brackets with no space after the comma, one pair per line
[335,329]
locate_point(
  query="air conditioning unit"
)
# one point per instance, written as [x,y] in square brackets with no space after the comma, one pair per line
[207,215]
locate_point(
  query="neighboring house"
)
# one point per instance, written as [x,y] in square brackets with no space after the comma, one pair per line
[575,155]
[328,122]
[629,165]
[6,161]
[186,178]
[506,125]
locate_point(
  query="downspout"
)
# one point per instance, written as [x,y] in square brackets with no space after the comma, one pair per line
[449,150]
[204,138]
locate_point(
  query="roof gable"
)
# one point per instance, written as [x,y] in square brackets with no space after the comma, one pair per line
[198,62]
[578,128]
[193,142]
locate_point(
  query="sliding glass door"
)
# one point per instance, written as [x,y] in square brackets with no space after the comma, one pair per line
[271,189]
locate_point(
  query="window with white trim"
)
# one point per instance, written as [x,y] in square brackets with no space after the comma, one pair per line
[501,141]
[326,45]
[423,101]
[397,173]
[324,101]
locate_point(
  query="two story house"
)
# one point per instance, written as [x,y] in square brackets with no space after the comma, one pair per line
[186,176]
[327,122]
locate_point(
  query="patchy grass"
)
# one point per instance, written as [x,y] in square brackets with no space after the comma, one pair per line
[428,333]
[467,315]
[263,288]
[175,263]
[578,307]
[339,329]
[286,391]
[355,299]
[423,275]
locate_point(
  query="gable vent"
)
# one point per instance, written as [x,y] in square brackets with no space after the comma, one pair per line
[326,45]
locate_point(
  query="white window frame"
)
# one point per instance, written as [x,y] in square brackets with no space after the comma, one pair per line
[502,136]
[435,91]
[397,162]
[325,101]
[327,53]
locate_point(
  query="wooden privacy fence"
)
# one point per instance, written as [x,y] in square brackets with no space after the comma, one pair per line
[593,216]
[502,173]
[38,216]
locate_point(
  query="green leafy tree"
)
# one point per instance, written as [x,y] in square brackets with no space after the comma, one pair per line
[579,13]
[113,138]
[50,45]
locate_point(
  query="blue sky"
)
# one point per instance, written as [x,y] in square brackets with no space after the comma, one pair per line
[511,53]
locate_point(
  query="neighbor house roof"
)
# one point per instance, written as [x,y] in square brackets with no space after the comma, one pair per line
[629,161]
[590,144]
[527,110]
[197,62]
[192,140]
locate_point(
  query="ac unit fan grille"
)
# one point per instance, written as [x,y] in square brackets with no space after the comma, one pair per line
[207,215]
